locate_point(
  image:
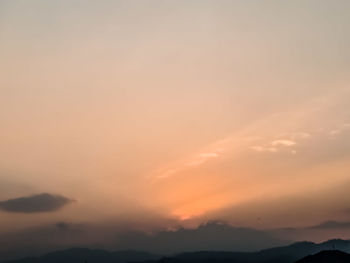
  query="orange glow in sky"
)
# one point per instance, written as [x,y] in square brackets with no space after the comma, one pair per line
[176,109]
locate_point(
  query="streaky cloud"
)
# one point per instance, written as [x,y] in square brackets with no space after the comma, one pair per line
[332,224]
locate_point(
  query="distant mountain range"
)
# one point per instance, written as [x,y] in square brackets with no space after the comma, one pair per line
[77,255]
[212,236]
[285,254]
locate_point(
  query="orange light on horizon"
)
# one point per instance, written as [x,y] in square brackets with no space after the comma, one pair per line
[201,207]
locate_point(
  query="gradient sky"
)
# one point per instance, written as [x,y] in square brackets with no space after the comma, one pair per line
[175,112]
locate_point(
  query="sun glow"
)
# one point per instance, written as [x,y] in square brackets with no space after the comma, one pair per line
[199,207]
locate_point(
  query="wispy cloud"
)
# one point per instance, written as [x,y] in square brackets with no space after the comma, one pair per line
[274,146]
[202,158]
[342,128]
[283,143]
[264,149]
[192,161]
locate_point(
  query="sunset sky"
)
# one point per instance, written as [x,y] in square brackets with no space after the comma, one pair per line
[164,113]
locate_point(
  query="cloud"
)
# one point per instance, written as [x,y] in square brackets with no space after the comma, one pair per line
[301,135]
[167,173]
[332,224]
[263,149]
[193,161]
[62,225]
[34,204]
[274,146]
[283,143]
[202,158]
[209,155]
[344,127]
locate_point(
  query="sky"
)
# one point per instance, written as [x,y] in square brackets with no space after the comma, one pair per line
[155,114]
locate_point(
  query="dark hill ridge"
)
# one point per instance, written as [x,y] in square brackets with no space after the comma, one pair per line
[210,236]
[286,254]
[327,256]
[76,255]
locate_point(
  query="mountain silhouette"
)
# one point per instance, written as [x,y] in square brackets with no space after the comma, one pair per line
[285,254]
[212,236]
[76,255]
[327,256]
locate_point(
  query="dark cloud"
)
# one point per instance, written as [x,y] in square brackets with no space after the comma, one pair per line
[332,224]
[62,225]
[35,203]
